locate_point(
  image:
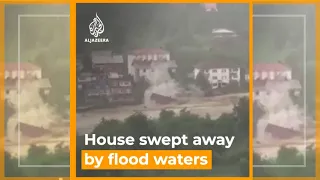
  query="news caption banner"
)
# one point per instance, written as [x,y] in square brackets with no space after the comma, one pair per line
[151,159]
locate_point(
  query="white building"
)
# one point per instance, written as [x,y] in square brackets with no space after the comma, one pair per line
[221,33]
[22,70]
[24,73]
[218,75]
[141,62]
[271,71]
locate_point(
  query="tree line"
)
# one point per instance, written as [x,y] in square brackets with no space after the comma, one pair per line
[226,162]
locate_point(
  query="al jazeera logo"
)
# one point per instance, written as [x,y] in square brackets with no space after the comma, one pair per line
[96,28]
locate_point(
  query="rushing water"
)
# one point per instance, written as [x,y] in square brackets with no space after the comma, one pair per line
[279,110]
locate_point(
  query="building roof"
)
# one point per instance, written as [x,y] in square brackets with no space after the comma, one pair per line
[104,57]
[270,67]
[210,6]
[24,66]
[226,31]
[146,51]
[170,63]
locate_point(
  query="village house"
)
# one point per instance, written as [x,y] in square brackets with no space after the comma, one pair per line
[142,62]
[19,74]
[108,82]
[91,85]
[271,71]
[113,68]
[271,76]
[160,99]
[220,74]
[121,90]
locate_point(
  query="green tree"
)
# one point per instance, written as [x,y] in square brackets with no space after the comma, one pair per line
[203,82]
[39,155]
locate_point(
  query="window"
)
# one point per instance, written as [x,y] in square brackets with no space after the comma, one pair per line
[114,83]
[235,69]
[223,84]
[257,93]
[256,75]
[125,83]
[235,77]
[144,70]
[214,85]
[223,70]
[213,70]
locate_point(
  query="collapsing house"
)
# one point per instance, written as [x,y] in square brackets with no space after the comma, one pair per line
[31,131]
[160,99]
[281,133]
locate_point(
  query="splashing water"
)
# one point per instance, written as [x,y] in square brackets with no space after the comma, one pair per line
[280,110]
[161,83]
[30,109]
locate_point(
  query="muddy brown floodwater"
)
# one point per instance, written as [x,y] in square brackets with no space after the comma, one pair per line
[214,107]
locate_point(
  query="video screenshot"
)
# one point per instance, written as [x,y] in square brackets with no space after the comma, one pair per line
[167,90]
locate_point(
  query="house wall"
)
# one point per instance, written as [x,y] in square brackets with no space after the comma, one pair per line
[144,72]
[114,75]
[131,69]
[23,74]
[220,75]
[150,57]
[272,75]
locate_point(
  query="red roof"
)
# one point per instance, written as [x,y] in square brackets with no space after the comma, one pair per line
[24,66]
[149,51]
[271,67]
[212,6]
